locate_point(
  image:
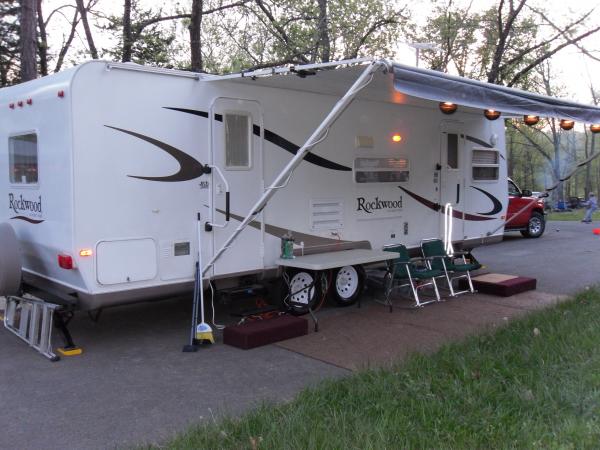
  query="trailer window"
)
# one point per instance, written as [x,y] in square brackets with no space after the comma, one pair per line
[485,164]
[381,170]
[237,140]
[23,159]
[452,151]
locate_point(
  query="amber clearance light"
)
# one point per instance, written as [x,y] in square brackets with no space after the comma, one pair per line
[85,252]
[531,120]
[567,124]
[491,114]
[396,138]
[448,107]
[595,128]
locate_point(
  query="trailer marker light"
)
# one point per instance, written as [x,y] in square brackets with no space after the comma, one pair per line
[595,128]
[531,119]
[567,124]
[85,252]
[65,261]
[396,138]
[491,114]
[448,107]
[61,94]
[20,103]
[29,101]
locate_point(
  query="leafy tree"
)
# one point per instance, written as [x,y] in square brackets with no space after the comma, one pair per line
[9,42]
[141,36]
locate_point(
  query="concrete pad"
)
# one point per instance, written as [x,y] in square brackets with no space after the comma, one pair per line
[133,385]
[372,336]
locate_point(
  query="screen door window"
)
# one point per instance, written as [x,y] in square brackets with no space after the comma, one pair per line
[23,159]
[452,151]
[237,140]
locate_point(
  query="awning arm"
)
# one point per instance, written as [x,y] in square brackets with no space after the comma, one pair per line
[318,135]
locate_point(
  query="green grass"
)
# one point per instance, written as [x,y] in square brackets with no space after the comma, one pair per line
[515,388]
[571,215]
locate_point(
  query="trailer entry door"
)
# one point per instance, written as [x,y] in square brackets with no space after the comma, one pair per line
[452,188]
[236,138]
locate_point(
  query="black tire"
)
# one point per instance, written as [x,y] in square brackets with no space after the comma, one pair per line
[347,284]
[535,226]
[300,296]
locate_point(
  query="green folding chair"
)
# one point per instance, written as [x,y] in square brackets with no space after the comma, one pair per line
[438,259]
[405,271]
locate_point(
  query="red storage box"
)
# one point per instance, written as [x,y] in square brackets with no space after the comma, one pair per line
[262,332]
[501,285]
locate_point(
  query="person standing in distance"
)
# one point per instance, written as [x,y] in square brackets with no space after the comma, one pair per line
[592,206]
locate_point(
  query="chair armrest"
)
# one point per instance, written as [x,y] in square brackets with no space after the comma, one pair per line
[428,258]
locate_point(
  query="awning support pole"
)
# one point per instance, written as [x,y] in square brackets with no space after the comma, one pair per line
[318,135]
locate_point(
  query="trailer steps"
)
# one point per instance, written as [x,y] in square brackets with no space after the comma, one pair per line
[32,321]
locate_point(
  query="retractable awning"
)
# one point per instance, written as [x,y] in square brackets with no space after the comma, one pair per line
[442,87]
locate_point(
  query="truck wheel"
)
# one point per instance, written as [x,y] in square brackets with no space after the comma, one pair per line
[535,226]
[304,291]
[10,261]
[348,283]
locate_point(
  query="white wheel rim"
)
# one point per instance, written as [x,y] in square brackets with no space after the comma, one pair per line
[346,282]
[299,288]
[535,225]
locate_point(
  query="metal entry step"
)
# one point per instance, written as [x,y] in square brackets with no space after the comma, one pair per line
[32,321]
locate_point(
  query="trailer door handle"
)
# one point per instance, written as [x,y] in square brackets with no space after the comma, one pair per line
[209,225]
[227,206]
[458,193]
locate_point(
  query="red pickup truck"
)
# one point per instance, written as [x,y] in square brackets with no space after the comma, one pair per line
[531,221]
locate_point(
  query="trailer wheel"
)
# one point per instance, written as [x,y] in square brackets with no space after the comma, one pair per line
[348,283]
[303,293]
[10,261]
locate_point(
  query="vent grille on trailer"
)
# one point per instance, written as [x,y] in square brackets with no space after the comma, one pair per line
[326,214]
[485,157]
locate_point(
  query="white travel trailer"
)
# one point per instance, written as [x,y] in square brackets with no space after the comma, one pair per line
[106,167]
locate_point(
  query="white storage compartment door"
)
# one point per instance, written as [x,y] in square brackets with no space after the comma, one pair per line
[126,261]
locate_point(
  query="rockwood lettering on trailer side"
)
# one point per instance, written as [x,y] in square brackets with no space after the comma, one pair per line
[377,204]
[20,205]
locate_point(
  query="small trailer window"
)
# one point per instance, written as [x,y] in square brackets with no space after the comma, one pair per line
[485,164]
[380,170]
[452,151]
[238,139]
[23,159]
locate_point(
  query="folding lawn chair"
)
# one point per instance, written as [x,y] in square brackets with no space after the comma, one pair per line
[438,259]
[407,270]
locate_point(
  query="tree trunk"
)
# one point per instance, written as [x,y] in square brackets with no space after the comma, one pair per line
[324,43]
[67,44]
[127,32]
[43,44]
[86,26]
[196,36]
[28,40]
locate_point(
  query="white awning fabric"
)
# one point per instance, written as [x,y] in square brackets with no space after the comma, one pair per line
[442,87]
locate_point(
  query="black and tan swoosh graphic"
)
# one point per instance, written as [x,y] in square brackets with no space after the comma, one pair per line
[437,207]
[275,139]
[497,204]
[27,219]
[189,168]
